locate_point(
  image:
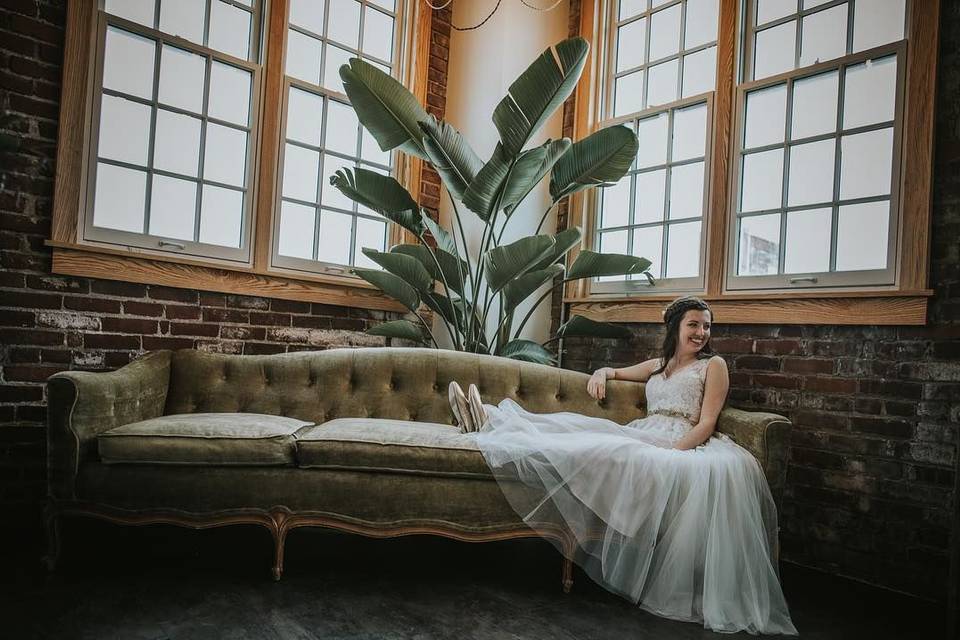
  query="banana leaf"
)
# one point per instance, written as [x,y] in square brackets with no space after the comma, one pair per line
[451,155]
[563,242]
[585,327]
[442,236]
[528,351]
[448,263]
[403,266]
[482,194]
[450,308]
[600,159]
[403,329]
[380,193]
[519,289]
[509,261]
[590,264]
[531,166]
[391,285]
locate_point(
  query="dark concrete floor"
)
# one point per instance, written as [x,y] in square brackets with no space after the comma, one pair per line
[163,582]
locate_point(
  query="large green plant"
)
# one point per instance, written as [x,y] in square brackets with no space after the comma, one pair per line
[493,190]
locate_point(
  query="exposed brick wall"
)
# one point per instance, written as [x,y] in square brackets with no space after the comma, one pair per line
[875,410]
[51,323]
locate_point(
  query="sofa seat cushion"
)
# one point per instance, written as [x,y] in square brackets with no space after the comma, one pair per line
[204,439]
[401,446]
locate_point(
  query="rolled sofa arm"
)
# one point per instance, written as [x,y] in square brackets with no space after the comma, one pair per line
[766,436]
[83,404]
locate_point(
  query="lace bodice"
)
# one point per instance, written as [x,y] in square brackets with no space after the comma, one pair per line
[681,394]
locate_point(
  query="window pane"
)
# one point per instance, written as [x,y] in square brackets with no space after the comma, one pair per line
[631,8]
[304,116]
[183,18]
[124,130]
[300,169]
[762,184]
[370,150]
[330,195]
[344,24]
[389,5]
[336,58]
[648,243]
[689,132]
[662,83]
[230,29]
[182,76]
[665,32]
[342,128]
[128,63]
[629,94]
[613,242]
[775,50]
[652,133]
[177,143]
[229,94]
[808,241]
[120,198]
[141,11]
[615,210]
[296,230]
[870,92]
[814,105]
[862,236]
[683,250]
[335,231]
[759,245]
[650,192]
[221,216]
[824,35]
[225,155]
[686,191]
[701,24]
[303,57]
[308,14]
[699,72]
[631,43]
[370,234]
[173,204]
[866,162]
[766,116]
[877,23]
[811,173]
[768,10]
[378,34]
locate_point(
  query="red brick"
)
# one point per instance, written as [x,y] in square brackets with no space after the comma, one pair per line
[31,372]
[31,336]
[172,293]
[725,344]
[110,341]
[17,318]
[289,306]
[776,380]
[778,346]
[155,343]
[115,288]
[763,363]
[831,385]
[807,365]
[87,303]
[183,312]
[134,308]
[194,329]
[881,427]
[262,348]
[129,325]
[270,319]
[226,315]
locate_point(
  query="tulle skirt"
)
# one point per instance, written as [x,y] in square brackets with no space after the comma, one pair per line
[688,535]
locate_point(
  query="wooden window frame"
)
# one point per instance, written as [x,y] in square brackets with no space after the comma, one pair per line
[902,303]
[77,256]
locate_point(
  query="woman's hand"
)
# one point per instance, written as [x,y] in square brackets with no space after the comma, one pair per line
[597,384]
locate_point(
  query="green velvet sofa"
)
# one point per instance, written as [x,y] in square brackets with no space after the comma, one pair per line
[358,440]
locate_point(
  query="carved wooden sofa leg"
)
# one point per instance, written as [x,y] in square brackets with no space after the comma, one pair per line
[279,529]
[51,518]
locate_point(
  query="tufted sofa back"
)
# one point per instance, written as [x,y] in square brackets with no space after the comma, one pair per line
[397,383]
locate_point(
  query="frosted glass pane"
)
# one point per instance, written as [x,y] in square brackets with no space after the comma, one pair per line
[824,35]
[296,230]
[344,24]
[808,241]
[759,245]
[648,243]
[370,235]
[300,169]
[303,57]
[814,105]
[652,134]
[141,11]
[342,129]
[330,195]
[768,10]
[762,184]
[615,209]
[862,235]
[629,94]
[183,18]
[613,242]
[775,50]
[182,75]
[230,29]
[631,44]
[120,198]
[229,94]
[870,92]
[221,213]
[701,24]
[173,206]
[378,34]
[689,132]
[877,23]
[177,143]
[665,32]
[128,63]
[370,150]
[810,4]
[389,5]
[631,8]
[811,173]
[225,155]
[656,3]
[699,72]
[308,14]
[866,162]
[766,117]
[686,191]
[334,237]
[662,83]
[336,58]
[650,192]
[683,250]
[124,130]
[304,116]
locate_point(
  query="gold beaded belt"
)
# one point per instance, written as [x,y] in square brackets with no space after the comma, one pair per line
[670,413]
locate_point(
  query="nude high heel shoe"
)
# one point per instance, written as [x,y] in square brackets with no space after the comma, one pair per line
[478,414]
[460,407]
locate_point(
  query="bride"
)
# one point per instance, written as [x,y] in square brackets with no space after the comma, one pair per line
[666,512]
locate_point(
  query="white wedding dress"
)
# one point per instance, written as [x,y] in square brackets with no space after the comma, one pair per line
[684,534]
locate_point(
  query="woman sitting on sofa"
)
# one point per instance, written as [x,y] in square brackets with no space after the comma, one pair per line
[669,514]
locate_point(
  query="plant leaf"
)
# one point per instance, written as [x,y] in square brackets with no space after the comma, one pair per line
[449,308]
[537,93]
[451,155]
[581,326]
[518,289]
[481,196]
[509,261]
[564,241]
[380,193]
[526,350]
[530,169]
[385,107]
[403,266]
[590,264]
[403,329]
[600,159]
[441,235]
[448,263]
[391,285]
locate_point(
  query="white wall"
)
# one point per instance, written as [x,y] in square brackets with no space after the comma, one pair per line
[482,65]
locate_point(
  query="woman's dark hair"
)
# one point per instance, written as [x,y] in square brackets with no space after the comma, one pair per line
[672,316]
